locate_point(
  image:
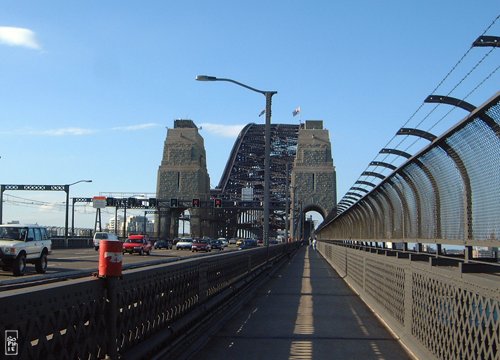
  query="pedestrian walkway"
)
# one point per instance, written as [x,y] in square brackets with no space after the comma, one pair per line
[305,311]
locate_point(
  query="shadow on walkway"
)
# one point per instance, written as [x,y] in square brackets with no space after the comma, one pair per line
[305,312]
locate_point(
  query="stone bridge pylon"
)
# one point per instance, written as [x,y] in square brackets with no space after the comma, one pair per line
[183,176]
[313,178]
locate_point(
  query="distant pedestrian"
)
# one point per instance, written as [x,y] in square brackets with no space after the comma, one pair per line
[314,243]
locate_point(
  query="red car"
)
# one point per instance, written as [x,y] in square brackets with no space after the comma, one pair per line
[201,245]
[138,244]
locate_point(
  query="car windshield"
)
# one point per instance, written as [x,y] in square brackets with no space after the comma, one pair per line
[201,241]
[135,241]
[12,233]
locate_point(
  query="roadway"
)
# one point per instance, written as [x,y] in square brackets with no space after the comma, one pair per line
[64,263]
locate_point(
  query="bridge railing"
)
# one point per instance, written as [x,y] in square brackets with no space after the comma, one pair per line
[437,312]
[72,242]
[448,193]
[92,318]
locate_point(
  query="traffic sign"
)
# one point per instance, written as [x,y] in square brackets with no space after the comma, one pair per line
[99,202]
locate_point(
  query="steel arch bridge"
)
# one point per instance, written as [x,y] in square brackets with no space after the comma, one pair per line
[242,183]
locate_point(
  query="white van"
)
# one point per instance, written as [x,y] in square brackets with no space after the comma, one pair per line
[98,236]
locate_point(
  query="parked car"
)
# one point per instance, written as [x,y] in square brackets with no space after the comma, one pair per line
[21,244]
[138,244]
[98,236]
[217,244]
[232,241]
[248,244]
[163,244]
[184,243]
[201,245]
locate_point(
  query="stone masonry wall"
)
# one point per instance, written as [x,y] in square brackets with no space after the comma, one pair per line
[313,181]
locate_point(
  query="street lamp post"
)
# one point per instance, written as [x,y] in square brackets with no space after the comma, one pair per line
[66,189]
[267,156]
[73,218]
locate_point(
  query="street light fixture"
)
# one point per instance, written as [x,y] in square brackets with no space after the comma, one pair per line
[66,189]
[267,157]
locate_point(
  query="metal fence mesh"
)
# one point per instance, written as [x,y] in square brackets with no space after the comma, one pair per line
[484,175]
[448,193]
[426,204]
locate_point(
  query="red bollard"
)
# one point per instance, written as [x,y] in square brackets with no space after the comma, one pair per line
[110,258]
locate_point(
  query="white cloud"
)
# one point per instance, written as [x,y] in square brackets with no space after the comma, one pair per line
[136,127]
[66,131]
[14,36]
[72,131]
[230,131]
[50,207]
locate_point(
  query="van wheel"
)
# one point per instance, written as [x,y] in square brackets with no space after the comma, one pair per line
[41,264]
[19,265]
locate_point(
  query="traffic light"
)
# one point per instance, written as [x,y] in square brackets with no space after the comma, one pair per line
[196,203]
[218,203]
[152,202]
[110,201]
[173,203]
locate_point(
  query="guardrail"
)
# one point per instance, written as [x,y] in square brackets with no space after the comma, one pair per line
[77,242]
[72,243]
[447,194]
[93,318]
[438,312]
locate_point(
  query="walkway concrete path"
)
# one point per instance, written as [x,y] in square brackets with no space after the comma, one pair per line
[305,311]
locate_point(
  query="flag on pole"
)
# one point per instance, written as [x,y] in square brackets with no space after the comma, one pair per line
[262,112]
[296,111]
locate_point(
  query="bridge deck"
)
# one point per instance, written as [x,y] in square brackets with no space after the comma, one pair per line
[305,311]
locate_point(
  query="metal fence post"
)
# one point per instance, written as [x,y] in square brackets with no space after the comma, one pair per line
[110,270]
[202,282]
[111,314]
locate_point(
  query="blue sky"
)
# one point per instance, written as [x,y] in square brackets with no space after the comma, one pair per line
[89,88]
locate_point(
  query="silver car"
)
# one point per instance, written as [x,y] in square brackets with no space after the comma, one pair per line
[184,243]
